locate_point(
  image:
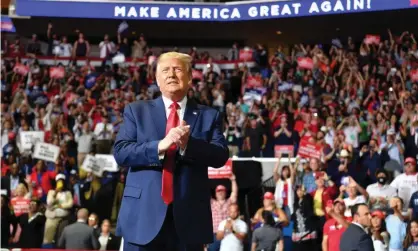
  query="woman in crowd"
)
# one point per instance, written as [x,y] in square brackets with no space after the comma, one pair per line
[304,229]
[269,205]
[411,239]
[20,203]
[378,231]
[41,180]
[284,192]
[59,203]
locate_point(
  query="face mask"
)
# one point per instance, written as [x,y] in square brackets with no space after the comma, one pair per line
[408,67]
[381,180]
[45,89]
[311,82]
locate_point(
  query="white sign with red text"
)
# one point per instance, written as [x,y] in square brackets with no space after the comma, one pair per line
[224,172]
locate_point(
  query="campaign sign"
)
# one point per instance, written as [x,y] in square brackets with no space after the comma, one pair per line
[47,152]
[196,74]
[21,69]
[107,162]
[28,139]
[285,149]
[56,72]
[221,173]
[372,39]
[225,12]
[246,54]
[309,150]
[6,24]
[305,63]
[254,82]
[414,74]
[90,165]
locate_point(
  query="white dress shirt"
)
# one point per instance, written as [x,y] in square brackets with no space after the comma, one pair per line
[101,134]
[167,102]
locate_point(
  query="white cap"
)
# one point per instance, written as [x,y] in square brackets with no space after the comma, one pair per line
[344,153]
[60,177]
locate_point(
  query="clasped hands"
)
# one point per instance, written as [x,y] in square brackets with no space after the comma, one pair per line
[178,135]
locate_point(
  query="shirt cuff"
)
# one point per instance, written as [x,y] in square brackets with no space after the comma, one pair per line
[161,156]
[182,151]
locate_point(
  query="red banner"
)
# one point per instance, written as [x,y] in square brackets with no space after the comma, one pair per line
[414,75]
[372,39]
[20,206]
[254,82]
[221,173]
[196,74]
[21,69]
[288,149]
[56,72]
[246,54]
[305,63]
[309,150]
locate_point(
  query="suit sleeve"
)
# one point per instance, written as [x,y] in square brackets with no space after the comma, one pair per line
[365,243]
[61,241]
[127,150]
[94,240]
[214,153]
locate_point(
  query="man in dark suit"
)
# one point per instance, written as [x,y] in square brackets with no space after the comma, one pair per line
[168,143]
[107,240]
[356,238]
[79,235]
[12,179]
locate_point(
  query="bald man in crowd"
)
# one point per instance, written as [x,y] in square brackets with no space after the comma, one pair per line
[79,235]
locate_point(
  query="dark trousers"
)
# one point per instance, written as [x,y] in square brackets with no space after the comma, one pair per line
[166,240]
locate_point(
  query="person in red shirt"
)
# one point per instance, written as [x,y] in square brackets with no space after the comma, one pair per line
[335,226]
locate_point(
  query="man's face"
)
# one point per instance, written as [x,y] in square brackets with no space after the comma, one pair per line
[220,194]
[92,220]
[173,77]
[339,208]
[14,170]
[233,212]
[363,216]
[313,163]
[33,207]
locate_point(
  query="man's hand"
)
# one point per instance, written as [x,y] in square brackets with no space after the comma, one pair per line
[228,225]
[178,135]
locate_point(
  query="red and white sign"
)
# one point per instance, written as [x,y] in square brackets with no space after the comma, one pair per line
[246,54]
[196,74]
[278,150]
[305,63]
[414,75]
[56,72]
[254,82]
[20,206]
[221,173]
[21,69]
[372,39]
[309,150]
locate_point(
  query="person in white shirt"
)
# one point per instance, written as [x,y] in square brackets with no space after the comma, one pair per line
[353,198]
[380,192]
[106,48]
[352,129]
[406,184]
[232,231]
[65,48]
[104,134]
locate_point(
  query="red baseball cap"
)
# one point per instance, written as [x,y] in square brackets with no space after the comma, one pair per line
[269,196]
[410,160]
[341,201]
[11,135]
[220,188]
[379,214]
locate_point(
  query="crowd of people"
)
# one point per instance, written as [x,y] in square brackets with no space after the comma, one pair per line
[356,104]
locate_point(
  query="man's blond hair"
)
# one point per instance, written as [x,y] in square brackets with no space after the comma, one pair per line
[185,58]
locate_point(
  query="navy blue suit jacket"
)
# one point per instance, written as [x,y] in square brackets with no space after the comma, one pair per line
[143,211]
[356,239]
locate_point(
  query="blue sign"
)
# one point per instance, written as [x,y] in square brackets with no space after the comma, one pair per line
[233,11]
[7,24]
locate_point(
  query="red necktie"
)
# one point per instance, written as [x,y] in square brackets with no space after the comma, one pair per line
[170,157]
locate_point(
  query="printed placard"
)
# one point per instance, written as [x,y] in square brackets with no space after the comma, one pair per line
[224,172]
[21,69]
[287,149]
[305,63]
[29,139]
[372,39]
[246,54]
[90,165]
[107,162]
[47,152]
[196,74]
[56,72]
[309,150]
[254,82]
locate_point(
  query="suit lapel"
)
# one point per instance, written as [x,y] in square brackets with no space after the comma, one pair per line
[191,113]
[158,116]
